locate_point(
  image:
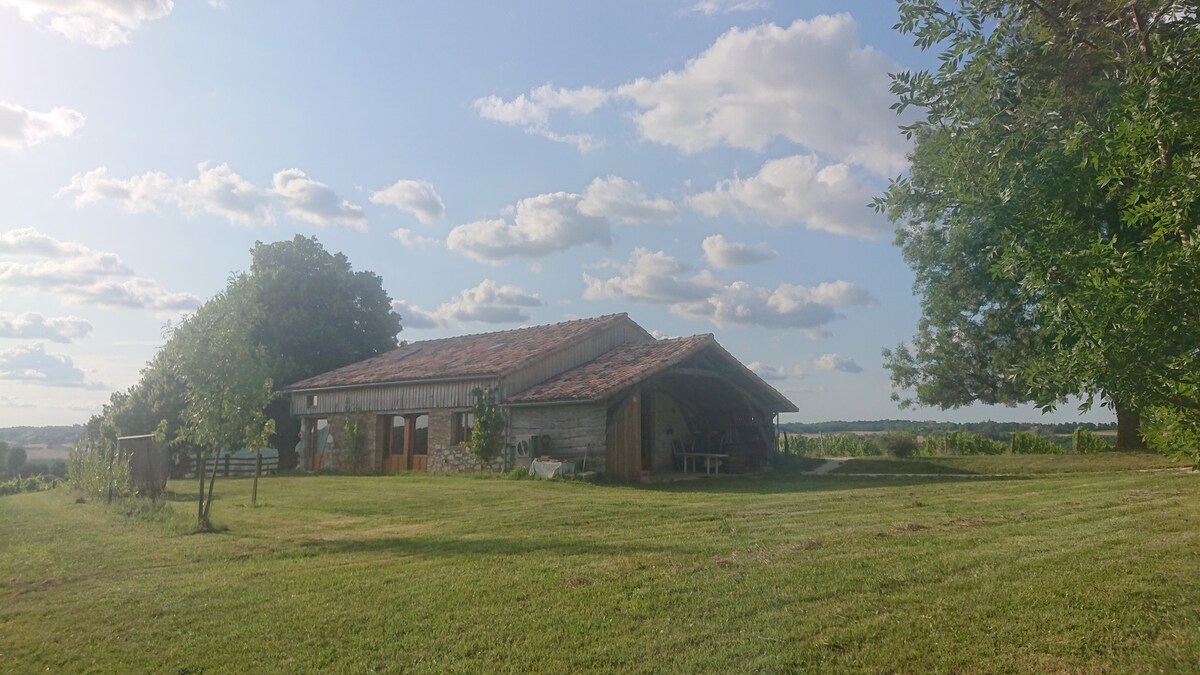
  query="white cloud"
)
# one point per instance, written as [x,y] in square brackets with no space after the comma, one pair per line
[651,277]
[412,316]
[543,224]
[767,372]
[31,363]
[80,275]
[798,189]
[100,23]
[624,201]
[722,253]
[713,7]
[34,326]
[218,191]
[489,303]
[221,192]
[658,278]
[812,83]
[137,194]
[314,202]
[21,127]
[533,111]
[411,239]
[837,362]
[415,196]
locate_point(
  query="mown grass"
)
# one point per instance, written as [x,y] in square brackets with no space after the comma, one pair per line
[1010,464]
[1072,572]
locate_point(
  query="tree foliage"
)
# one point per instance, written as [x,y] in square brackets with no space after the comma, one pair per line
[307,311]
[489,437]
[226,377]
[1050,213]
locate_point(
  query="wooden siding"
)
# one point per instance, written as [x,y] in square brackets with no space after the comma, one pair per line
[574,355]
[623,447]
[398,398]
[575,431]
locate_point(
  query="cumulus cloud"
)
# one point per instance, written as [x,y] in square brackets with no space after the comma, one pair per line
[543,224]
[624,201]
[556,221]
[713,7]
[767,372]
[99,23]
[34,326]
[412,316]
[79,275]
[415,196]
[411,239]
[488,302]
[21,127]
[306,199]
[812,83]
[219,191]
[837,362]
[32,364]
[655,277]
[532,111]
[799,190]
[651,277]
[722,253]
[136,194]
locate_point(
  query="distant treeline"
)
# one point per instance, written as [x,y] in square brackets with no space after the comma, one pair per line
[53,437]
[999,431]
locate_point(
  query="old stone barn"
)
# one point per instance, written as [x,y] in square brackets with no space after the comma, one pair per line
[601,393]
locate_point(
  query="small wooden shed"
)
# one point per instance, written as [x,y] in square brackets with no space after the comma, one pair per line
[149,463]
[601,392]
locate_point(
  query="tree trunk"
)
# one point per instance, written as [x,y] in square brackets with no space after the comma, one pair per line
[206,522]
[257,473]
[200,492]
[1129,422]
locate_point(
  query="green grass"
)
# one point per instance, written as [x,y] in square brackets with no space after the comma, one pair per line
[1010,464]
[1072,572]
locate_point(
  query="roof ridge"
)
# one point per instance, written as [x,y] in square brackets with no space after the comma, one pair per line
[599,319]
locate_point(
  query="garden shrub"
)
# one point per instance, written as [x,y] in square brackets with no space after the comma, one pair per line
[898,443]
[1025,443]
[1084,442]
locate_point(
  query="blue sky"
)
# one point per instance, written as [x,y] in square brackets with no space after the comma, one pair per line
[703,166]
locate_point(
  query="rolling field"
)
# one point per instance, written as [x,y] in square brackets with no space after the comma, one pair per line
[1076,567]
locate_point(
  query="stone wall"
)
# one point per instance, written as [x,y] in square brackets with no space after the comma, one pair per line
[575,431]
[371,460]
[447,457]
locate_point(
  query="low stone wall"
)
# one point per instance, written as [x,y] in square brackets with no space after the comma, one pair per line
[455,459]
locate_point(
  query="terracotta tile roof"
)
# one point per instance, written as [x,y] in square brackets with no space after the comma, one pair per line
[615,370]
[484,354]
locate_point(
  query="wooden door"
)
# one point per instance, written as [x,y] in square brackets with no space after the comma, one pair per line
[623,443]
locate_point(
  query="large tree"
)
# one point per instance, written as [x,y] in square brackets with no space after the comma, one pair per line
[307,311]
[226,380]
[1050,209]
[317,314]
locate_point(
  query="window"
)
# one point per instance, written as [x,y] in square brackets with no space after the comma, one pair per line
[310,401]
[420,442]
[463,423]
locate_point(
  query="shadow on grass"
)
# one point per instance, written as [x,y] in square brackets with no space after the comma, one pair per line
[480,547]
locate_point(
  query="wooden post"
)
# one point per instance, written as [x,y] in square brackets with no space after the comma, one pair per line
[257,473]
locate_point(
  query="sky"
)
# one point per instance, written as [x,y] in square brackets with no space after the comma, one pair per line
[704,165]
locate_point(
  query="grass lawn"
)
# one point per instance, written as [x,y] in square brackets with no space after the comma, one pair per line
[1092,571]
[1011,464]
